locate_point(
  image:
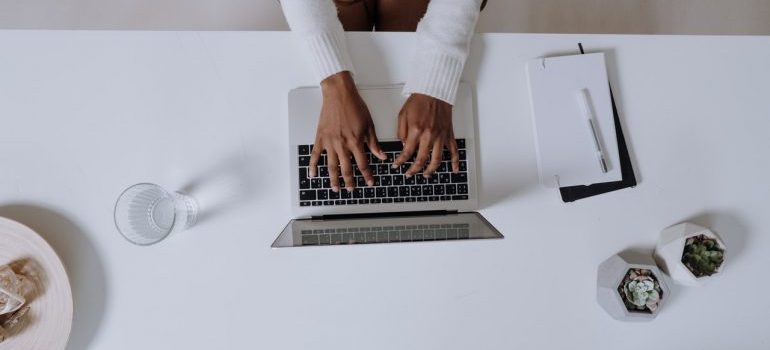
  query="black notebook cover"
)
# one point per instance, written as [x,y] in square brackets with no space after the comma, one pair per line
[573,193]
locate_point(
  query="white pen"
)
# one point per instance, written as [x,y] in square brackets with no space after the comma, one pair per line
[585,107]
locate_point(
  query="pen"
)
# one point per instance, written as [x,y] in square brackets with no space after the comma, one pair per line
[585,107]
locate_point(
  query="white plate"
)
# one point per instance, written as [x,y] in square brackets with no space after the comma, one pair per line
[49,319]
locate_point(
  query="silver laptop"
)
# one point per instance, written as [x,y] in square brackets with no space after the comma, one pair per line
[397,208]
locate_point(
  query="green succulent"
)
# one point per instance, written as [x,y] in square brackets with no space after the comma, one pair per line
[702,255]
[641,291]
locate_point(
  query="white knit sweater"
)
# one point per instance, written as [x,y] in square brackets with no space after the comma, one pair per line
[443,38]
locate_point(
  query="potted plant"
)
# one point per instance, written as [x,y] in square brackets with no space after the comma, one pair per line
[690,254]
[630,287]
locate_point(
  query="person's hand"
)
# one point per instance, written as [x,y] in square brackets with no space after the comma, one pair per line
[344,127]
[425,127]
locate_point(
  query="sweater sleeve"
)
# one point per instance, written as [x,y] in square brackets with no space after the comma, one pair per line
[320,33]
[443,41]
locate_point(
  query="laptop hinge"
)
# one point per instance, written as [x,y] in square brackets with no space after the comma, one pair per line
[394,214]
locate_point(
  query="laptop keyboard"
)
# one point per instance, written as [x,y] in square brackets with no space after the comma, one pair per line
[390,185]
[385,234]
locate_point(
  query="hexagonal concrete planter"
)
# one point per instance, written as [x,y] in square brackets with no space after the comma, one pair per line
[670,249]
[612,274]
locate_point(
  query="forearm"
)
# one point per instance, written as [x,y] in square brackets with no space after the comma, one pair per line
[443,40]
[320,33]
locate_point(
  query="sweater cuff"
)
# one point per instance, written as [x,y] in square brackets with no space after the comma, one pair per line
[329,54]
[436,75]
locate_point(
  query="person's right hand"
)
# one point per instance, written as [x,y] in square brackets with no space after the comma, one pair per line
[344,127]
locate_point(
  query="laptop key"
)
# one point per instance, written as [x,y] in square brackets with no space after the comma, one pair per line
[460,143]
[443,167]
[433,179]
[358,192]
[463,166]
[317,203]
[421,180]
[323,171]
[451,189]
[381,192]
[360,181]
[345,194]
[433,198]
[376,200]
[304,160]
[392,191]
[399,200]
[415,191]
[387,200]
[339,202]
[307,195]
[334,195]
[368,192]
[460,197]
[383,169]
[460,178]
[427,190]
[461,153]
[304,204]
[410,180]
[411,199]
[398,180]
[438,190]
[352,201]
[303,150]
[326,183]
[422,199]
[328,202]
[446,198]
[363,201]
[386,180]
[304,184]
[323,194]
[462,189]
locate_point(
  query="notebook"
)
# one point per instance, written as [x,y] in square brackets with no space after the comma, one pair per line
[565,146]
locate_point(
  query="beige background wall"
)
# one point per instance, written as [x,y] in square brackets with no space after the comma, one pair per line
[568,16]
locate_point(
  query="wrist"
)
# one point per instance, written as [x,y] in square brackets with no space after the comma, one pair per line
[341,82]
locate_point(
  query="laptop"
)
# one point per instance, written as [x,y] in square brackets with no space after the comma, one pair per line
[397,209]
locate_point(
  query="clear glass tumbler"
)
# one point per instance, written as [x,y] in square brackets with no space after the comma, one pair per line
[146,213]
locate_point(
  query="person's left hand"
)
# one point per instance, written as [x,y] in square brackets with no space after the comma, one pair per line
[425,127]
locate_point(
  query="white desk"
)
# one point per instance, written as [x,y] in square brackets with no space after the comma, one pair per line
[85,114]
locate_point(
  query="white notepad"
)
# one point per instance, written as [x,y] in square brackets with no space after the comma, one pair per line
[565,149]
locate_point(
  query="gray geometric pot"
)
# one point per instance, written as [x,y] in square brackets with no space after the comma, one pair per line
[670,247]
[609,291]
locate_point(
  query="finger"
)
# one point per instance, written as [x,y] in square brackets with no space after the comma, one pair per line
[374,144]
[334,172]
[452,145]
[401,127]
[346,167]
[410,147]
[435,159]
[422,156]
[362,161]
[315,155]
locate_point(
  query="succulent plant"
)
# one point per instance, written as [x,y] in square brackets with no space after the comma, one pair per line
[702,255]
[640,290]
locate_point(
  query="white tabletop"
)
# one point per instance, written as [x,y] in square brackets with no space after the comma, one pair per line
[85,114]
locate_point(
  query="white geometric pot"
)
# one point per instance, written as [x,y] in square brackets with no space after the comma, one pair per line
[611,274]
[670,247]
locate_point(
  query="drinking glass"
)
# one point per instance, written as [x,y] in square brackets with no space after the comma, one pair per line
[146,213]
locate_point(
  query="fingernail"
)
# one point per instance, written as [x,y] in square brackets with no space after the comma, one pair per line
[370,183]
[335,189]
[408,175]
[394,166]
[427,176]
[350,189]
